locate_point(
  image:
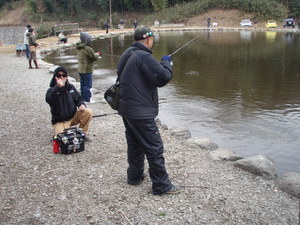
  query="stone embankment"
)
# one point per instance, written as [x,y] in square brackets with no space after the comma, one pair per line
[11,35]
[39,187]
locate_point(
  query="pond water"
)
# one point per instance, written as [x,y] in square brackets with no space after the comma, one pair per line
[240,89]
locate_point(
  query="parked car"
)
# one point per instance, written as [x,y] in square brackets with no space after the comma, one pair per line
[246,23]
[271,24]
[289,23]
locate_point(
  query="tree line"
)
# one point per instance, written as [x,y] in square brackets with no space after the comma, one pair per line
[95,9]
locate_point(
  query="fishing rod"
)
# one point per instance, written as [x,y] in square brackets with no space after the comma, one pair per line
[186,44]
[111,55]
[171,53]
[101,53]
[105,114]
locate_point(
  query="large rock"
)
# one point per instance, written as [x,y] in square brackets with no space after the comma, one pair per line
[289,183]
[160,124]
[181,132]
[224,154]
[258,165]
[203,143]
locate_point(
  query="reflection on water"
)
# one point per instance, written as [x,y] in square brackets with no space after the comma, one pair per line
[246,35]
[271,36]
[241,89]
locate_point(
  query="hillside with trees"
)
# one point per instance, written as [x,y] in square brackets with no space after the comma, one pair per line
[95,12]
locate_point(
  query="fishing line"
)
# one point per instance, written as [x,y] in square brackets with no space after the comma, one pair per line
[186,44]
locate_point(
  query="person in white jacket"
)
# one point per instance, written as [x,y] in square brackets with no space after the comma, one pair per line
[62,37]
[25,41]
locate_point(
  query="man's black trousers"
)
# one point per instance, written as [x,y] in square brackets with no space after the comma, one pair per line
[143,139]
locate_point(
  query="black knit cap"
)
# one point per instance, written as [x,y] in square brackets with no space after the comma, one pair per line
[60,68]
[142,32]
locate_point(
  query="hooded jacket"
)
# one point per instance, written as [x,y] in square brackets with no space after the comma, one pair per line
[85,54]
[31,39]
[140,76]
[64,101]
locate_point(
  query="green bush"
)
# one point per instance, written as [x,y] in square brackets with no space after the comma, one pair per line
[43,31]
[93,16]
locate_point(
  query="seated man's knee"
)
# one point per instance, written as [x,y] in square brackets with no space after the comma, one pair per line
[88,112]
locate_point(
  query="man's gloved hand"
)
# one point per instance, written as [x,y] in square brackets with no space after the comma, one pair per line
[167,58]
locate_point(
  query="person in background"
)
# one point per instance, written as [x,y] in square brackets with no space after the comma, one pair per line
[121,24]
[67,107]
[208,22]
[86,58]
[140,75]
[106,26]
[62,37]
[32,46]
[135,24]
[25,41]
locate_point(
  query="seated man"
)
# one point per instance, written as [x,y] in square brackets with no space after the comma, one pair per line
[121,24]
[62,37]
[67,107]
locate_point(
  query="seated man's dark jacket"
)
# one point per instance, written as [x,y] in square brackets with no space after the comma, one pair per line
[140,76]
[63,102]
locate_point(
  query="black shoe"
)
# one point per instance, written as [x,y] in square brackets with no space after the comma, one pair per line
[137,183]
[174,190]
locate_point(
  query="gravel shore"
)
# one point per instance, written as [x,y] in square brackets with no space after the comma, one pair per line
[39,187]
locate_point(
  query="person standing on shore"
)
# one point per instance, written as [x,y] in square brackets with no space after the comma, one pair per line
[140,75]
[106,26]
[135,24]
[208,22]
[67,107]
[32,46]
[25,41]
[86,58]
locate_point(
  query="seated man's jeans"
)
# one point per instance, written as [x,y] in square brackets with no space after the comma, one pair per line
[83,118]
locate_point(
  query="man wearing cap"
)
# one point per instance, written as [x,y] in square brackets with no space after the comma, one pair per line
[140,75]
[67,106]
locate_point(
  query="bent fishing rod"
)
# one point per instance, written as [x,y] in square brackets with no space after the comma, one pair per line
[169,54]
[186,44]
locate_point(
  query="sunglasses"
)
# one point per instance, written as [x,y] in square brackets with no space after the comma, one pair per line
[61,75]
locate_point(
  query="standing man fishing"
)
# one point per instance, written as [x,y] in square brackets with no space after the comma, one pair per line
[140,75]
[32,47]
[86,58]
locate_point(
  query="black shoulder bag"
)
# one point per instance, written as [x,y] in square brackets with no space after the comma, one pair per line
[112,94]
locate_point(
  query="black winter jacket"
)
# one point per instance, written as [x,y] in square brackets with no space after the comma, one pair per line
[140,76]
[63,102]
